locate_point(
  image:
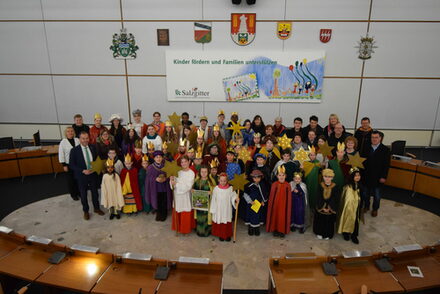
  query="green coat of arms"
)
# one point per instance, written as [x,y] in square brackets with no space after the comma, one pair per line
[124,45]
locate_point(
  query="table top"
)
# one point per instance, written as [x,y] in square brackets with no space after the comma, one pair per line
[193,278]
[77,272]
[302,276]
[353,273]
[135,276]
[9,243]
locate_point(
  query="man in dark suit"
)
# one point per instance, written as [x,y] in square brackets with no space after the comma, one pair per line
[376,171]
[80,162]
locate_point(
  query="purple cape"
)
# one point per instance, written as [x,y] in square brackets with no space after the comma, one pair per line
[152,187]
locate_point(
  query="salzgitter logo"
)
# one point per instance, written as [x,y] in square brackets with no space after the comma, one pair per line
[192,93]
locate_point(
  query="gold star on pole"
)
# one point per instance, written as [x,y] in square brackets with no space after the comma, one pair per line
[171,168]
[356,160]
[236,128]
[284,142]
[98,165]
[172,147]
[244,154]
[174,119]
[239,181]
[301,155]
[325,149]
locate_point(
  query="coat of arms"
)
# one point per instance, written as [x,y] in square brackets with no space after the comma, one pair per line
[202,32]
[124,46]
[243,28]
[325,35]
[366,46]
[284,29]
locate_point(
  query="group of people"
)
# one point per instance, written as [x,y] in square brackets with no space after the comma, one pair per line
[327,190]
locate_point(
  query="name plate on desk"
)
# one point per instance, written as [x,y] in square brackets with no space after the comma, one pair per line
[304,255]
[39,240]
[5,230]
[194,260]
[356,253]
[85,248]
[137,256]
[405,248]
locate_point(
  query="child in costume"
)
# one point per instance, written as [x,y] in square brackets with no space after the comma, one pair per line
[279,206]
[290,165]
[111,192]
[300,209]
[118,165]
[256,191]
[183,216]
[130,187]
[137,155]
[326,206]
[350,208]
[213,174]
[232,167]
[311,173]
[142,175]
[222,200]
[203,218]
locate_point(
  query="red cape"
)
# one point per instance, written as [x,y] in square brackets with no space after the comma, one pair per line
[280,208]
[133,174]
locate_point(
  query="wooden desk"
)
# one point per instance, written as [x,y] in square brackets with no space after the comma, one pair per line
[355,272]
[78,272]
[301,276]
[9,165]
[128,277]
[34,163]
[9,242]
[402,174]
[193,278]
[427,181]
[429,266]
[28,262]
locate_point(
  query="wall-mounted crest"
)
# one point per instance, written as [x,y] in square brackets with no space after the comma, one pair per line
[124,45]
[366,46]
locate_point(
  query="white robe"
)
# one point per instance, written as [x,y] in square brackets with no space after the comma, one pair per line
[182,190]
[157,142]
[222,201]
[111,192]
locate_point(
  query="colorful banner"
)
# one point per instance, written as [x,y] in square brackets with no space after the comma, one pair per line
[245,76]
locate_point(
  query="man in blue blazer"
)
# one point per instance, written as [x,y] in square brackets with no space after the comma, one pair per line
[80,162]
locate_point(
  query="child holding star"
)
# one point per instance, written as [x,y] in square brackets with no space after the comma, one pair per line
[222,200]
[279,206]
[256,191]
[232,167]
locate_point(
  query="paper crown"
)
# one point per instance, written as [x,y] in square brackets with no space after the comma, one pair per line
[168,124]
[145,157]
[216,128]
[258,135]
[127,158]
[297,174]
[203,117]
[328,172]
[341,146]
[97,116]
[312,149]
[234,113]
[182,142]
[109,163]
[200,133]
[190,150]
[281,169]
[137,112]
[199,153]
[150,145]
[353,170]
[164,145]
[138,143]
[214,163]
[221,112]
[230,150]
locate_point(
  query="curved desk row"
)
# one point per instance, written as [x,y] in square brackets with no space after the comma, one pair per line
[85,272]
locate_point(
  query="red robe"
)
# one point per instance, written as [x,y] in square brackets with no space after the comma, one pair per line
[280,208]
[94,133]
[133,174]
[137,160]
[160,128]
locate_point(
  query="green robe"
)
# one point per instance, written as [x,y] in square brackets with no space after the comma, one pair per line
[203,218]
[312,182]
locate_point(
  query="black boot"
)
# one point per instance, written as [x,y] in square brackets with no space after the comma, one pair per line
[250,231]
[346,236]
[112,216]
[257,231]
[302,230]
[355,240]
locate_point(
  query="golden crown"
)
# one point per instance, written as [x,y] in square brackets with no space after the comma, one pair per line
[214,163]
[109,163]
[127,158]
[150,145]
[341,146]
[281,169]
[200,133]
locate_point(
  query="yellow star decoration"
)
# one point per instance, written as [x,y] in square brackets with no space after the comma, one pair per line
[284,142]
[301,155]
[325,149]
[275,150]
[98,165]
[239,181]
[356,160]
[172,147]
[244,154]
[236,128]
[171,168]
[174,119]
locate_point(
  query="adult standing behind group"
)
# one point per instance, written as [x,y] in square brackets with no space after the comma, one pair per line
[96,129]
[376,171]
[158,125]
[80,161]
[79,125]
[363,136]
[116,129]
[64,149]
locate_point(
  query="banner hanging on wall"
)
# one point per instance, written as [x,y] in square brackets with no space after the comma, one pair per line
[245,76]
